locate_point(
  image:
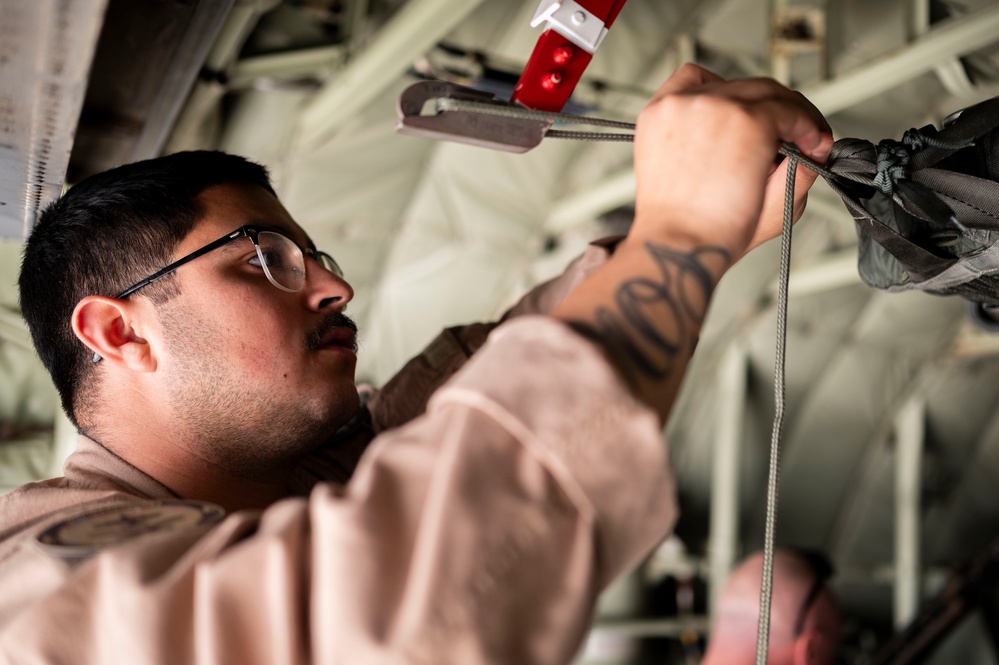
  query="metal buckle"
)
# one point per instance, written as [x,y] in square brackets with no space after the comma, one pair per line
[419,117]
[573,21]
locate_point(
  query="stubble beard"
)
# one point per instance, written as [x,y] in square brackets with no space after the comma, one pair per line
[251,430]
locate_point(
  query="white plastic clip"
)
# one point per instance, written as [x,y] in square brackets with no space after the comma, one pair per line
[572,21]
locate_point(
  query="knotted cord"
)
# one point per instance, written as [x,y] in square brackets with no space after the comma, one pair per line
[892,160]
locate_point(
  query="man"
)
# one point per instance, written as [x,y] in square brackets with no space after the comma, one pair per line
[477,530]
[805,619]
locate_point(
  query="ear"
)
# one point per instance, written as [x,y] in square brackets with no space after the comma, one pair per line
[808,648]
[107,327]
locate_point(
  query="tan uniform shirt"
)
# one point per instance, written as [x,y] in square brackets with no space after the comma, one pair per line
[479,532]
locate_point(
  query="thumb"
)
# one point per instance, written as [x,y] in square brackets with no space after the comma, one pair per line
[804,178]
[772,215]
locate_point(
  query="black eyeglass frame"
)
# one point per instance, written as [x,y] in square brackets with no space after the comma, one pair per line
[251,232]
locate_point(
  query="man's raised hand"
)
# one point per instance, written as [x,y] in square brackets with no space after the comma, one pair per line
[705,152]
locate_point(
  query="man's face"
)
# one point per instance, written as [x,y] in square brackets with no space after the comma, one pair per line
[256,376]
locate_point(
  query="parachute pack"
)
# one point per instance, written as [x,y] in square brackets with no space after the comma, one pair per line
[927,207]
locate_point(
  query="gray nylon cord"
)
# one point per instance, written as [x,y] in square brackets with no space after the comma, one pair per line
[451,104]
[766,584]
[588,136]
[794,158]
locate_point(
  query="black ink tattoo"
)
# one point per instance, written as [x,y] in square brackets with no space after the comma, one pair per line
[654,320]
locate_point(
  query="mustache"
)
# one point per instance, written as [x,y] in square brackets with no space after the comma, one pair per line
[330,322]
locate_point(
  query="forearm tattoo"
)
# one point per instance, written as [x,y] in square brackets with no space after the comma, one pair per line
[654,321]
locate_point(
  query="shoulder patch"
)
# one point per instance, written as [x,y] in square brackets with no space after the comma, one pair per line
[84,534]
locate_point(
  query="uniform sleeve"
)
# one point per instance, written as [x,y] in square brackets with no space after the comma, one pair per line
[544,298]
[406,395]
[481,532]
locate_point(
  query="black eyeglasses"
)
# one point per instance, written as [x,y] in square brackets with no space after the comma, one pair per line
[822,569]
[281,259]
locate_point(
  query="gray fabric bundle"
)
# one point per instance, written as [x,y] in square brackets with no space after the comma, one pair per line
[927,207]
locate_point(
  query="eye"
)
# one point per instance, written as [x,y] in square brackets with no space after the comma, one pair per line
[274,257]
[254,260]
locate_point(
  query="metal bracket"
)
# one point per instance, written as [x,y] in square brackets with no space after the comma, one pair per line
[573,21]
[419,116]
[575,28]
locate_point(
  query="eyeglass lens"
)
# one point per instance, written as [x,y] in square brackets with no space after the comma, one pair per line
[282,261]
[328,262]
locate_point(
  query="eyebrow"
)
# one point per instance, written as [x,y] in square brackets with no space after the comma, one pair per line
[232,247]
[287,233]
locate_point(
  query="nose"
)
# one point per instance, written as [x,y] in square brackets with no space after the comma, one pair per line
[324,290]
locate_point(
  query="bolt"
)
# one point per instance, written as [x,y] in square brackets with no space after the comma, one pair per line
[578,18]
[551,80]
[562,55]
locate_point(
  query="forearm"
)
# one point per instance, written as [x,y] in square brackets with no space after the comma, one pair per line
[645,308]
[546,297]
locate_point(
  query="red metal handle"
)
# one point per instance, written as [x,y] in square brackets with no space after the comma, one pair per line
[557,62]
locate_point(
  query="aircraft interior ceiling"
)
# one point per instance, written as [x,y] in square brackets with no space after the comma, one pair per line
[890,458]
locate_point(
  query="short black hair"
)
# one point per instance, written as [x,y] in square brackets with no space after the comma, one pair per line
[107,232]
